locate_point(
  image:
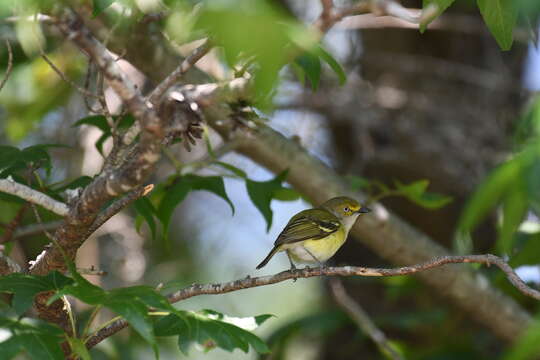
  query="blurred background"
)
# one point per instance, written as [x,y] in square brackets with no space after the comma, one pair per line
[444,105]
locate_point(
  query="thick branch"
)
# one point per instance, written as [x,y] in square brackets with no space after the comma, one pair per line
[249,282]
[27,193]
[128,175]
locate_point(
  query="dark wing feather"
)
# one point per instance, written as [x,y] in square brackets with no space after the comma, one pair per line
[309,224]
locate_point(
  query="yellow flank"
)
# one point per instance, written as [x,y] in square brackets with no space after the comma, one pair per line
[323,249]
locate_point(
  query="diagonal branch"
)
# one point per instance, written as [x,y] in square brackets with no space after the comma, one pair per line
[12,187]
[175,76]
[251,282]
[362,319]
[9,65]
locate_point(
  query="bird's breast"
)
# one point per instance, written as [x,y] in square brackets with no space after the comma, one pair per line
[323,249]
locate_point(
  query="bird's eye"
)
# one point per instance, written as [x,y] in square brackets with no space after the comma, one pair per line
[346,209]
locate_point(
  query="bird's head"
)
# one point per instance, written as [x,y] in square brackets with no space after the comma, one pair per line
[344,207]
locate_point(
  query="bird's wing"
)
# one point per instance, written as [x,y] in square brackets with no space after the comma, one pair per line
[311,224]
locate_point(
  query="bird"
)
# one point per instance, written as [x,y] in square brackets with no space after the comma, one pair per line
[314,235]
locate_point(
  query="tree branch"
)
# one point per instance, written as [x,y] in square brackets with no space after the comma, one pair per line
[402,243]
[7,265]
[117,206]
[175,76]
[9,186]
[250,282]
[9,65]
[362,319]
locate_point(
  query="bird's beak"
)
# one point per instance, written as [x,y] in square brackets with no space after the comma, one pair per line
[364,210]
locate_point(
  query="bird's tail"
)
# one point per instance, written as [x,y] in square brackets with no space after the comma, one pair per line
[268,257]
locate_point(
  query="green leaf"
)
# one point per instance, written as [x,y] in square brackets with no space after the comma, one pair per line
[11,347]
[333,63]
[489,194]
[101,123]
[358,182]
[100,5]
[78,348]
[286,194]
[515,207]
[174,195]
[526,347]
[39,339]
[25,287]
[181,187]
[500,17]
[146,210]
[213,184]
[299,73]
[143,294]
[432,200]
[311,64]
[136,315]
[236,171]
[527,250]
[42,347]
[442,5]
[80,182]
[8,155]
[232,23]
[416,192]
[212,329]
[261,194]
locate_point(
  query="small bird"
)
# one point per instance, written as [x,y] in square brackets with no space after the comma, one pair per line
[314,235]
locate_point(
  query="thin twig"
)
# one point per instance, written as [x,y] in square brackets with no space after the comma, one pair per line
[9,186]
[9,65]
[362,319]
[249,282]
[117,206]
[65,78]
[175,76]
[35,229]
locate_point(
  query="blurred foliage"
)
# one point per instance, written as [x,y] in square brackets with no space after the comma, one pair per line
[414,192]
[513,186]
[35,93]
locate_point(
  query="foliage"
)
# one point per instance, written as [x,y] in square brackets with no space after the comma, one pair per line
[36,96]
[512,186]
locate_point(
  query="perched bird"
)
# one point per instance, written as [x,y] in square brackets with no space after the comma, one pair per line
[314,235]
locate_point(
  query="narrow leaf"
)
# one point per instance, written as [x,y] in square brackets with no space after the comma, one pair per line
[333,63]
